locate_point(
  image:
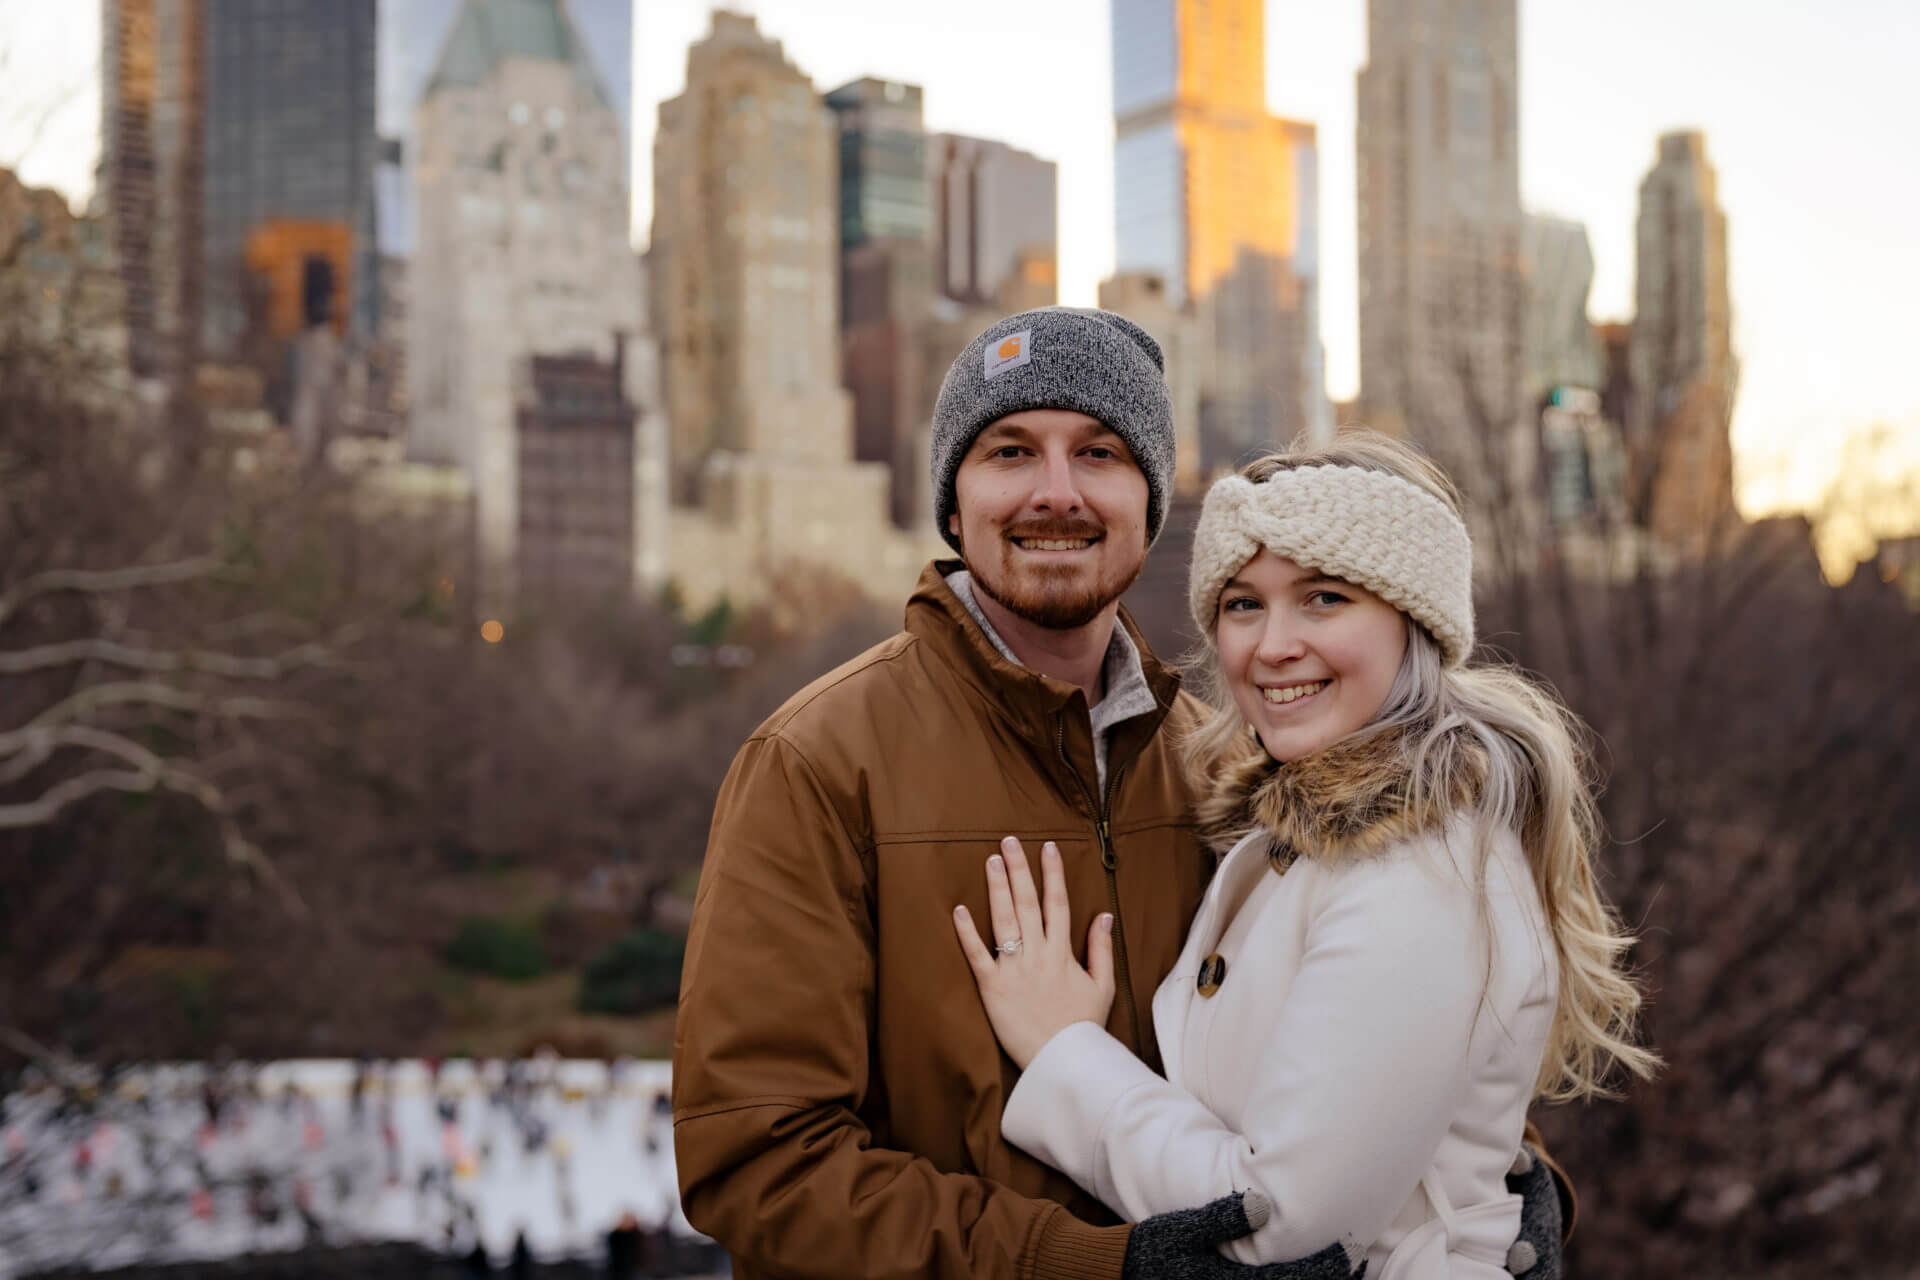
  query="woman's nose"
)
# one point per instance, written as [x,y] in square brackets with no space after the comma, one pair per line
[1280,640]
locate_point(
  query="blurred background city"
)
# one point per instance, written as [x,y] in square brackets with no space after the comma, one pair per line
[433,433]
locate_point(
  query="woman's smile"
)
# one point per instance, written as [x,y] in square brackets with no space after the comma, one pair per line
[1291,695]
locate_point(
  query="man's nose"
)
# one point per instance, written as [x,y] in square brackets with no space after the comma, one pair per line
[1057,491]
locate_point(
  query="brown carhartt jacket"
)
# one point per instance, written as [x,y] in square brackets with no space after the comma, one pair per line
[837,1089]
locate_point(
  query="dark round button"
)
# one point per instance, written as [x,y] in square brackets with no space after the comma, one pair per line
[1213,972]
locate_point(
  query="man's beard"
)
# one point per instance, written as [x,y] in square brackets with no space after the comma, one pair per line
[1051,599]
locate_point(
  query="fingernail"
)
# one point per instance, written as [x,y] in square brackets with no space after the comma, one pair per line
[994,863]
[1052,850]
[1106,920]
[1009,843]
[959,913]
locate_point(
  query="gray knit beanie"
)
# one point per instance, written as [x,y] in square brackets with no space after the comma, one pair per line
[1093,362]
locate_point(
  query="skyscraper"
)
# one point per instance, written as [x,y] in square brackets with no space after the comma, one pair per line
[745,246]
[152,146]
[528,358]
[412,36]
[289,94]
[1581,450]
[237,161]
[1442,269]
[1562,347]
[1684,371]
[994,211]
[413,32]
[1220,199]
[747,216]
[886,271]
[883,162]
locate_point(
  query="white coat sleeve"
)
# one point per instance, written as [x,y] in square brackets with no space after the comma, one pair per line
[1360,1070]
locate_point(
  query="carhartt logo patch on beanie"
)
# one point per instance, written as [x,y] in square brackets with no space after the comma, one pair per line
[1010,353]
[1092,362]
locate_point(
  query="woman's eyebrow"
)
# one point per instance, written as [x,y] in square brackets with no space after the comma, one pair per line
[1309,580]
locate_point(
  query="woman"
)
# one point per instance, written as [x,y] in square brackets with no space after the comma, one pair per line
[1403,944]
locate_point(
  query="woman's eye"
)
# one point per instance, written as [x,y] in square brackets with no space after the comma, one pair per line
[1239,604]
[1326,598]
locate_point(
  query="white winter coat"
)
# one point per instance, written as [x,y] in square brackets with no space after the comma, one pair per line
[1366,1060]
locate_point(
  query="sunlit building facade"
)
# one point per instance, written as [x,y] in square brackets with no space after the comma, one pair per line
[1221,200]
[152,146]
[1682,357]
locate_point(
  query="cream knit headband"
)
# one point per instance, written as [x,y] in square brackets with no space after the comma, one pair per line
[1365,527]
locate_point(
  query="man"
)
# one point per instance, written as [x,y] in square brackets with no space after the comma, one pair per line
[837,1088]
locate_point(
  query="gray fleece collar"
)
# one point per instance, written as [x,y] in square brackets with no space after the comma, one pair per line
[1128,693]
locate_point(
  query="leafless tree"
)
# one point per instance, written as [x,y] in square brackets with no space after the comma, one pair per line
[1754,728]
[257,762]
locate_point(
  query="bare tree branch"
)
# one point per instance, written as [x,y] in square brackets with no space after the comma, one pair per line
[98,580]
[73,790]
[153,693]
[99,649]
[149,771]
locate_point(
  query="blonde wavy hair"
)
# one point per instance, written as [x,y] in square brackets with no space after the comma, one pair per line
[1494,733]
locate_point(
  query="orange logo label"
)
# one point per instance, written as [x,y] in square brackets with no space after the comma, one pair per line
[1011,353]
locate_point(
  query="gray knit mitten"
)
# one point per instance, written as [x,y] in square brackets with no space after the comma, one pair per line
[1536,1254]
[1185,1245]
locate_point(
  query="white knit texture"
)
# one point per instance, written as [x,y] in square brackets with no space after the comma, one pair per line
[1365,527]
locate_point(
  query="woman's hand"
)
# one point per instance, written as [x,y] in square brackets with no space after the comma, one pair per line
[1030,982]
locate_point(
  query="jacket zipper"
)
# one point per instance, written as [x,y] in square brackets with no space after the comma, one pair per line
[1110,861]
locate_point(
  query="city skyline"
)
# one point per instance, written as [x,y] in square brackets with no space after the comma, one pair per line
[1821,261]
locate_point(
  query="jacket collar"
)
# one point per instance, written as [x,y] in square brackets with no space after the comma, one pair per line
[1349,802]
[1033,703]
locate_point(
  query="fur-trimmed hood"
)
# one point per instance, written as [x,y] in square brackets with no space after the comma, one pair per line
[1349,802]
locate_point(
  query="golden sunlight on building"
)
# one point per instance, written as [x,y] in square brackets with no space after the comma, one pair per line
[1220,199]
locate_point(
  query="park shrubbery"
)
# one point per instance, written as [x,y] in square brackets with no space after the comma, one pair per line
[497,948]
[634,974]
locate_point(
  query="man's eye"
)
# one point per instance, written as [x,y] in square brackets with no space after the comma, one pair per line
[1102,452]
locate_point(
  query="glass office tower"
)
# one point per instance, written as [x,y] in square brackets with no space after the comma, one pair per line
[1219,199]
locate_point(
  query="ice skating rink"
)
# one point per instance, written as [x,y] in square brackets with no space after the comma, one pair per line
[182,1161]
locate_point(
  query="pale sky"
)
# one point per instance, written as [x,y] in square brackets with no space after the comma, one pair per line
[1811,112]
